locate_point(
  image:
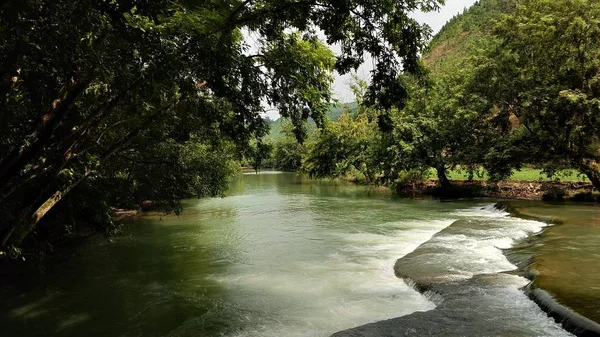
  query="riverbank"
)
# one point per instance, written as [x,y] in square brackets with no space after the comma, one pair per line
[515,190]
[562,263]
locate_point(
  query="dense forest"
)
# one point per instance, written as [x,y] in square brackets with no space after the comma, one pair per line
[106,105]
[505,85]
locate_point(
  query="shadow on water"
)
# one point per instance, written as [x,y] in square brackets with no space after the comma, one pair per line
[133,285]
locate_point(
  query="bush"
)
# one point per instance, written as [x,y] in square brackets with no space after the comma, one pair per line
[355,175]
[409,178]
[553,193]
[586,197]
[288,155]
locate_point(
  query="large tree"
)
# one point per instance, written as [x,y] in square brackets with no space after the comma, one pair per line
[342,148]
[443,125]
[151,95]
[288,152]
[544,79]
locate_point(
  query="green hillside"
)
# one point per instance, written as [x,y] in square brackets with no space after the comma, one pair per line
[461,38]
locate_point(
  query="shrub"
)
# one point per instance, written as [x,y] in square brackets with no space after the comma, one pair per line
[410,178]
[586,197]
[553,193]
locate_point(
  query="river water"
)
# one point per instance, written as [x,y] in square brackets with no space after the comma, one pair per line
[285,256]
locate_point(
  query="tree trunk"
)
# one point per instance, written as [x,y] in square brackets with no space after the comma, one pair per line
[592,170]
[15,236]
[442,177]
[23,154]
[19,231]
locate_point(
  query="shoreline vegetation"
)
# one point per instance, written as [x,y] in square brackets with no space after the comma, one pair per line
[574,189]
[536,187]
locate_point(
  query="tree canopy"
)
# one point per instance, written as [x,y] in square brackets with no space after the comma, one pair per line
[139,99]
[507,84]
[544,73]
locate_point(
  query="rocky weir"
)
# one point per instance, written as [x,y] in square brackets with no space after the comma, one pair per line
[478,291]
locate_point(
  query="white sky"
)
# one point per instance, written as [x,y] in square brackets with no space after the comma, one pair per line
[435,20]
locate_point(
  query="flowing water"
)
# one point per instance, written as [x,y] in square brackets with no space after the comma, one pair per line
[285,256]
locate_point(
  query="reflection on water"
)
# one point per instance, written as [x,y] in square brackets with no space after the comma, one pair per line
[279,256]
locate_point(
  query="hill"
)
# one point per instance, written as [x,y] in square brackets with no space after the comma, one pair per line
[463,35]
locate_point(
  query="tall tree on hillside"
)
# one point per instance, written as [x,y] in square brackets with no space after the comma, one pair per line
[147,95]
[544,79]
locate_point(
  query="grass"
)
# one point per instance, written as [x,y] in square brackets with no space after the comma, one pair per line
[525,174]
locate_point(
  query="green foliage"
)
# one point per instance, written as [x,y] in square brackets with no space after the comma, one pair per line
[116,102]
[510,84]
[276,128]
[167,173]
[341,148]
[465,36]
[543,73]
[261,154]
[305,82]
[441,127]
[289,153]
[411,178]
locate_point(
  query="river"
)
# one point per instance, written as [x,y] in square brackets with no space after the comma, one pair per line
[281,255]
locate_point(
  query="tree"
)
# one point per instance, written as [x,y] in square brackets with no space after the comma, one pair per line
[90,87]
[544,79]
[442,127]
[341,148]
[261,152]
[288,153]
